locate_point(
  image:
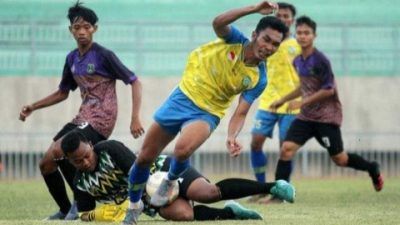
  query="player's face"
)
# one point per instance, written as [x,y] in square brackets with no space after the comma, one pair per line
[285,15]
[83,32]
[84,158]
[266,42]
[305,35]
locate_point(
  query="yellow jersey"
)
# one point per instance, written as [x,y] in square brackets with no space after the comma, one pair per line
[282,76]
[215,73]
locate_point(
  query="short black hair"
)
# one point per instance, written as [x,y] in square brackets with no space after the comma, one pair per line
[305,20]
[285,5]
[71,141]
[273,23]
[78,11]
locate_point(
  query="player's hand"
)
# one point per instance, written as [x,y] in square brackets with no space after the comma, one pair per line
[136,128]
[266,7]
[25,112]
[233,146]
[293,105]
[275,105]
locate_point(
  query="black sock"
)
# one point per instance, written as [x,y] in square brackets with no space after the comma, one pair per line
[56,186]
[357,162]
[68,171]
[283,170]
[234,188]
[202,212]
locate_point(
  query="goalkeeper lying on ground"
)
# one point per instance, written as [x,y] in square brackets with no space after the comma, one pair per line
[103,177]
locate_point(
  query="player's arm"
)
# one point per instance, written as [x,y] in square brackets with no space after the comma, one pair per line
[54,98]
[235,126]
[292,95]
[221,22]
[136,126]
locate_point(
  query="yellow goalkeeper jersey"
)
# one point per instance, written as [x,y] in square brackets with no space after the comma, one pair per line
[282,76]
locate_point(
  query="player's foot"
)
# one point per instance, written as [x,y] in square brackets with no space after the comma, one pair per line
[241,212]
[73,212]
[56,216]
[376,176]
[256,198]
[132,215]
[284,191]
[162,195]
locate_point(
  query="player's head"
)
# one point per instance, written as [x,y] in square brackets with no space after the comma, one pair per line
[286,13]
[79,151]
[83,23]
[305,31]
[269,33]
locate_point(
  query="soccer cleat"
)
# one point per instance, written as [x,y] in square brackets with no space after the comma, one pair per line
[284,191]
[376,176]
[56,216]
[132,215]
[241,213]
[162,195]
[72,213]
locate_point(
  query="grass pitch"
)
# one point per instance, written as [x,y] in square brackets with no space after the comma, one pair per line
[319,201]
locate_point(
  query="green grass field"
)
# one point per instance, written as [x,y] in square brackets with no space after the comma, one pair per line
[331,201]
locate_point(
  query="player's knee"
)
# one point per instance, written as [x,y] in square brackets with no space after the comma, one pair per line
[339,161]
[287,152]
[256,145]
[182,153]
[47,166]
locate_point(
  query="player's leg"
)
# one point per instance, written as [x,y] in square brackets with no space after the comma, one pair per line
[52,176]
[156,139]
[284,123]
[297,135]
[330,137]
[192,136]
[263,128]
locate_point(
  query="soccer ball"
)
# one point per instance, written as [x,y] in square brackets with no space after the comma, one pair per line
[154,182]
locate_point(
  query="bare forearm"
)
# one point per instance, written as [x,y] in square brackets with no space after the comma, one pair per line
[222,21]
[52,99]
[292,95]
[235,125]
[136,98]
[318,96]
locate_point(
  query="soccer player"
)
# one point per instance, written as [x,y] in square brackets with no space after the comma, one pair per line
[94,69]
[321,111]
[215,73]
[103,171]
[282,79]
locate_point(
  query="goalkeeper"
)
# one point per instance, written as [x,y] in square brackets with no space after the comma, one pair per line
[102,177]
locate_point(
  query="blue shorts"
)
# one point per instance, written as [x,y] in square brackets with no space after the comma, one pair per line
[265,121]
[178,110]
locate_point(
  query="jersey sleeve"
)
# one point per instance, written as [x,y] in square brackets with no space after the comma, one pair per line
[67,81]
[123,156]
[252,94]
[235,36]
[117,69]
[327,78]
[85,202]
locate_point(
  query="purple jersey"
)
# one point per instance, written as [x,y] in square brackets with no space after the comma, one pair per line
[95,74]
[315,73]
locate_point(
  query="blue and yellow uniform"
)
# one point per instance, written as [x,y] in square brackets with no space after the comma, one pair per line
[215,73]
[282,79]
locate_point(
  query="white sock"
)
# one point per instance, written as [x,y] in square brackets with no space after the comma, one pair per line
[134,205]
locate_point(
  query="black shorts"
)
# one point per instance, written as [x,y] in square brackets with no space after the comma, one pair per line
[86,129]
[328,135]
[186,179]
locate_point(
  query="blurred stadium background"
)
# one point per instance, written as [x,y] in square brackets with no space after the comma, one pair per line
[153,38]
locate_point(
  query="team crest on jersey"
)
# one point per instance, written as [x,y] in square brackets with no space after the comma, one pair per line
[90,68]
[231,56]
[292,50]
[246,81]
